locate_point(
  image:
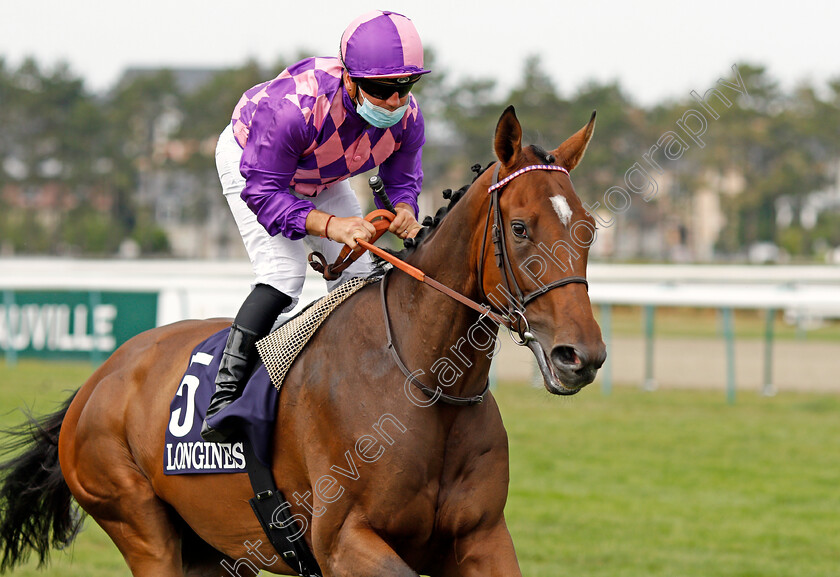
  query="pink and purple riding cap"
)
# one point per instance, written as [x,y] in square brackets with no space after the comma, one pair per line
[382,44]
[301,130]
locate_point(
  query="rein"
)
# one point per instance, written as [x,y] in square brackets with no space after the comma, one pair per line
[516,310]
[421,276]
[513,317]
[433,394]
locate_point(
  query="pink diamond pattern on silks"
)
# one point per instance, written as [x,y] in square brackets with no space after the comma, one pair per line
[237,112]
[240,129]
[312,147]
[330,151]
[307,189]
[411,115]
[240,133]
[246,100]
[263,93]
[413,111]
[321,109]
[337,111]
[383,148]
[329,66]
[307,174]
[293,98]
[360,151]
[306,83]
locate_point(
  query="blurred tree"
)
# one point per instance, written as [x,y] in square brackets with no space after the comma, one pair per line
[779,144]
[90,232]
[143,113]
[208,109]
[74,167]
[50,148]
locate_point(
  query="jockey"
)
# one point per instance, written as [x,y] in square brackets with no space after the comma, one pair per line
[284,160]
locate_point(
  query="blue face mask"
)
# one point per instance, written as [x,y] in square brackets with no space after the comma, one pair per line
[378,116]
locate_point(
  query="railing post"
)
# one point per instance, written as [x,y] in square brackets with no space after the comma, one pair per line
[729,337]
[768,389]
[606,332]
[649,382]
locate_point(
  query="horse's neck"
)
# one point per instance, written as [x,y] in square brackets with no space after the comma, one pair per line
[438,331]
[449,254]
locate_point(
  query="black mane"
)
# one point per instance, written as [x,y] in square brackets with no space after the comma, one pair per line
[430,223]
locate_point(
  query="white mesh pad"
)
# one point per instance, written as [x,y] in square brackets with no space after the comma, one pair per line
[279,349]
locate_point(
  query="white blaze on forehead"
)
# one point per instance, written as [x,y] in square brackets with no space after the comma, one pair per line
[562,208]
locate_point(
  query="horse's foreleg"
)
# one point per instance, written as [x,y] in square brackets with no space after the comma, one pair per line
[486,552]
[360,552]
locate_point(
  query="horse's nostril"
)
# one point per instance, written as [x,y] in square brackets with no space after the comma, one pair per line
[565,356]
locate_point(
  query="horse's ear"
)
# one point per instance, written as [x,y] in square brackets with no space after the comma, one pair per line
[570,153]
[508,139]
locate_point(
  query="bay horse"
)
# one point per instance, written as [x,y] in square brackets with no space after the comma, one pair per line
[423,485]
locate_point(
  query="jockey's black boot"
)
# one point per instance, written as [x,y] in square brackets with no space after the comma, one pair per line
[253,322]
[237,363]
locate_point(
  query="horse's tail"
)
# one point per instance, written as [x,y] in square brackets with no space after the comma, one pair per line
[36,507]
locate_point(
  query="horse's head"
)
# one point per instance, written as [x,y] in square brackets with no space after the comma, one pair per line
[535,251]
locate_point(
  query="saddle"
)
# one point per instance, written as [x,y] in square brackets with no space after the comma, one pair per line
[255,412]
[280,348]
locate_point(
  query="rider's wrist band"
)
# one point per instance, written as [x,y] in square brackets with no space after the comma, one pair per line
[327,226]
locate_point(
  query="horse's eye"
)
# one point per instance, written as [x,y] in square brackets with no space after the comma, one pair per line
[519,229]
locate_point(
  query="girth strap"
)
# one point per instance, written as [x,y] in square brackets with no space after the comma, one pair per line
[272,511]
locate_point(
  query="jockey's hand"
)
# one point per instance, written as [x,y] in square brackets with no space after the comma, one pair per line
[348,229]
[404,224]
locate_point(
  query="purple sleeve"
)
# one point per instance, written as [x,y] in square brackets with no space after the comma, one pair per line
[277,138]
[402,172]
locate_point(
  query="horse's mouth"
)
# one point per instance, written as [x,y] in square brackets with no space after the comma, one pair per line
[569,383]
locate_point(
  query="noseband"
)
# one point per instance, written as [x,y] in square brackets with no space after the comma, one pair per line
[515,310]
[514,316]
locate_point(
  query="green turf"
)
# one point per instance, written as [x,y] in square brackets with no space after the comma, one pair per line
[671,483]
[41,387]
[674,483]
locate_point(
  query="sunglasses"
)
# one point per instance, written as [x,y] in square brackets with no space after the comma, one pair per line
[384,90]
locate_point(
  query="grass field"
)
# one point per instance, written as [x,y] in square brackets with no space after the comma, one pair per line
[671,483]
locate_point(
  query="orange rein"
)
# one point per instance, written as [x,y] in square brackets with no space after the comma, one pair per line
[381,220]
[400,264]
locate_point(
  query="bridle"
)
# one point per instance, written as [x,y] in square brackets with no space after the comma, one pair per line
[514,316]
[515,312]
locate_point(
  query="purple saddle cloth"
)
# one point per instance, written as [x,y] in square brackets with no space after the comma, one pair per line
[254,414]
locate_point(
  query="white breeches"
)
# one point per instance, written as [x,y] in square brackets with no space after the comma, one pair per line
[278,261]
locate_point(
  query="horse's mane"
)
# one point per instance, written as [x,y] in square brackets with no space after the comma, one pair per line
[430,223]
